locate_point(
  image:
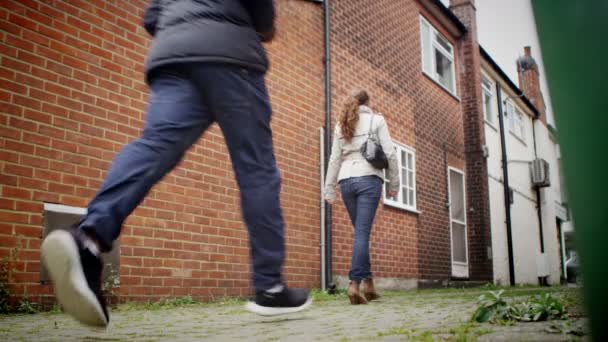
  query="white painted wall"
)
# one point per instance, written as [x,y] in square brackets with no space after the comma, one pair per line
[524,217]
[550,197]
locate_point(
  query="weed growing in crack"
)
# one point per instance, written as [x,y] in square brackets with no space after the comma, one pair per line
[493,308]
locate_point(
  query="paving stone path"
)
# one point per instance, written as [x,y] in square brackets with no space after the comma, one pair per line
[433,315]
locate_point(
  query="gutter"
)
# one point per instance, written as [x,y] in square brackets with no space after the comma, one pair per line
[453,18]
[518,92]
[542,281]
[327,217]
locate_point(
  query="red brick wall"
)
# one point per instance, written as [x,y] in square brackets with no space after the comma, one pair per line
[385,59]
[72,93]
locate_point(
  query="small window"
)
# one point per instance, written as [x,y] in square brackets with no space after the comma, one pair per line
[406,197]
[509,110]
[58,216]
[515,120]
[487,90]
[518,124]
[437,56]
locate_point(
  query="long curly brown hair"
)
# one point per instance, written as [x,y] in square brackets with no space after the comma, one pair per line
[350,113]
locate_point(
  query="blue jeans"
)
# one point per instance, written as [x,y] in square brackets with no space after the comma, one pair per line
[361,196]
[185,100]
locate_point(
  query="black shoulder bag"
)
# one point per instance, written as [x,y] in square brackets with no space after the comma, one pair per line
[372,150]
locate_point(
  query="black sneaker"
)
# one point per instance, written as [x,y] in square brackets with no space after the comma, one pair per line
[277,303]
[76,276]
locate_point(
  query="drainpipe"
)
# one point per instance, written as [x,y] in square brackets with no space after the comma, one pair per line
[538,207]
[542,281]
[322,206]
[507,192]
[327,148]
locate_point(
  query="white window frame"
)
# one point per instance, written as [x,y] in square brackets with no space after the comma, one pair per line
[459,269]
[428,64]
[515,119]
[518,124]
[398,202]
[485,90]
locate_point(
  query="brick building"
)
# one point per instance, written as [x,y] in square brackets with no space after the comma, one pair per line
[72,93]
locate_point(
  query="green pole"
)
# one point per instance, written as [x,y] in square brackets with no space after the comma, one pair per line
[573,37]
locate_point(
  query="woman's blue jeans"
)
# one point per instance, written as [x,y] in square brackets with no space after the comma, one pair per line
[361,196]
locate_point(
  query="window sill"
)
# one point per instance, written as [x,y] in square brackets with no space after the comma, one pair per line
[451,93]
[401,207]
[492,126]
[518,138]
[460,263]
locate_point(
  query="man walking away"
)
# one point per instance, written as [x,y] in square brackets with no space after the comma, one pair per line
[206,64]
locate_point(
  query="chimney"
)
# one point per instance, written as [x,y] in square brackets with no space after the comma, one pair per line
[469,70]
[529,82]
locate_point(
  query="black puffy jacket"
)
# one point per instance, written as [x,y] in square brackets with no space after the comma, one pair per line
[216,31]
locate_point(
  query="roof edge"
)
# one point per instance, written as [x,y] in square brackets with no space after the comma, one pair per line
[448,13]
[485,55]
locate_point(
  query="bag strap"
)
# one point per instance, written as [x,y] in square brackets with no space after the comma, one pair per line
[371,123]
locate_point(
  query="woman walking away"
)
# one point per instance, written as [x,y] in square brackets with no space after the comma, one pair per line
[360,183]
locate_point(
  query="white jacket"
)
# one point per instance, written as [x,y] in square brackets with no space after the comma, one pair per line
[346,160]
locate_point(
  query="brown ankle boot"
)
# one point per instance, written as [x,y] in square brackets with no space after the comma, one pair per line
[354,295]
[369,291]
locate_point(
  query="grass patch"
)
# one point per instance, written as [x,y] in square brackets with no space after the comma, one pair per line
[181,302]
[233,312]
[425,336]
[56,309]
[319,295]
[395,331]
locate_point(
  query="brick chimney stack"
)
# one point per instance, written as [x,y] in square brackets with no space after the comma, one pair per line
[478,195]
[529,82]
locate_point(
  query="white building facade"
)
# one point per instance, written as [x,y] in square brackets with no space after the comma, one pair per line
[536,237]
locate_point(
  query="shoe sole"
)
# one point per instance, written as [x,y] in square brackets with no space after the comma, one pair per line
[62,260]
[357,299]
[273,311]
[371,296]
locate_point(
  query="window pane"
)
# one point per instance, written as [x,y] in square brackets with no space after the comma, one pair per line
[410,162]
[487,106]
[411,192]
[403,159]
[444,43]
[459,252]
[519,127]
[509,113]
[457,196]
[486,84]
[425,39]
[443,68]
[410,178]
[404,198]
